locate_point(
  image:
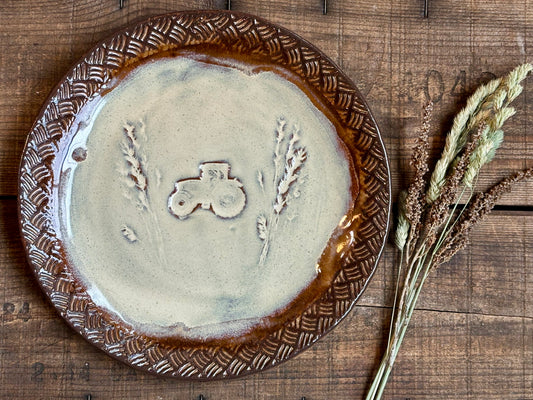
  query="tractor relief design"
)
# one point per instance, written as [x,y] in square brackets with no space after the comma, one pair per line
[212,190]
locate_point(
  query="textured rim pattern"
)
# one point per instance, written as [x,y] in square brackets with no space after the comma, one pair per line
[242,34]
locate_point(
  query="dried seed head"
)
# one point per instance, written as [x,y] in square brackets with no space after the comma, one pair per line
[482,154]
[488,103]
[479,207]
[458,136]
[415,193]
[440,208]
[402,230]
[515,77]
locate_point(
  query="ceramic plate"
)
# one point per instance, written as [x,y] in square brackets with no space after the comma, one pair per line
[204,195]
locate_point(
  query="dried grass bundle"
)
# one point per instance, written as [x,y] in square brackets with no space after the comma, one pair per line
[436,216]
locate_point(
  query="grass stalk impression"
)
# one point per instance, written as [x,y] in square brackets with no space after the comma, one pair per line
[438,210]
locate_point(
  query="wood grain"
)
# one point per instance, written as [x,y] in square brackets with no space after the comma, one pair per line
[472,336]
[397,59]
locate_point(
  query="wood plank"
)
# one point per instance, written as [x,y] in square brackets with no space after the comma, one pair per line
[397,59]
[491,276]
[472,336]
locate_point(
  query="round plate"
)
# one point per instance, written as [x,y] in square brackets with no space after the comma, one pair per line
[245,37]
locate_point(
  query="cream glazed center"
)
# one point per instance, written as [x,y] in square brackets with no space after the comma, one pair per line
[198,195]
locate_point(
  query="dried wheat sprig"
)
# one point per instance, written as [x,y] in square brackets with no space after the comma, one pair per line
[514,80]
[490,99]
[440,208]
[491,140]
[493,137]
[496,113]
[479,207]
[509,88]
[402,229]
[495,93]
[483,154]
[458,136]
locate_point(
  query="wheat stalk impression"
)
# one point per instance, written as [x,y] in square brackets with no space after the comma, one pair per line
[437,212]
[134,173]
[287,165]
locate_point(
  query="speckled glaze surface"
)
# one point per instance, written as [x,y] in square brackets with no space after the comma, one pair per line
[352,256]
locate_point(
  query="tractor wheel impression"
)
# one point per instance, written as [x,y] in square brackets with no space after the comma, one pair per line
[228,200]
[182,203]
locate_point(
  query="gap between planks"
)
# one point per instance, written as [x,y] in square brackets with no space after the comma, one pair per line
[432,310]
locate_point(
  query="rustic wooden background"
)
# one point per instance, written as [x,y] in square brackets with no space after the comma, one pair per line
[472,335]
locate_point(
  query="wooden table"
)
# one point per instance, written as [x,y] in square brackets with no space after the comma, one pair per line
[472,335]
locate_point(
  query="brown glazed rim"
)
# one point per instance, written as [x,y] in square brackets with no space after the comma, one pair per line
[234,33]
